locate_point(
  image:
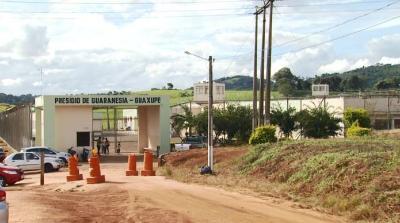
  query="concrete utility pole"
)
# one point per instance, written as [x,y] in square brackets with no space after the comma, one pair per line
[255,81]
[269,63]
[262,85]
[210,109]
[210,114]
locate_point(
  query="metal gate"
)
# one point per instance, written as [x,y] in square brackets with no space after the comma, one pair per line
[16,126]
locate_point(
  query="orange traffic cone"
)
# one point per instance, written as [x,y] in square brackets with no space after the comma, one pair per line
[95,174]
[73,170]
[148,164]
[131,166]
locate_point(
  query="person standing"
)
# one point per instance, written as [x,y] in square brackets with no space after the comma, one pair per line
[103,146]
[107,146]
[98,145]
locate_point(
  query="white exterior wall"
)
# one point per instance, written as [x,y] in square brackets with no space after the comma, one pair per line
[68,121]
[149,125]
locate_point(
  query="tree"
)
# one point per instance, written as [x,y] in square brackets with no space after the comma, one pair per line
[170,86]
[352,83]
[284,119]
[285,81]
[183,121]
[334,82]
[318,122]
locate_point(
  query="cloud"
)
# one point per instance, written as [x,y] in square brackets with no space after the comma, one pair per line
[390,60]
[8,82]
[385,46]
[342,65]
[35,42]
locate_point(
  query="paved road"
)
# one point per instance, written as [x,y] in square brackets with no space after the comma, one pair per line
[143,199]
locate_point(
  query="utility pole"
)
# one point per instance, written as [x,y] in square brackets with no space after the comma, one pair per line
[269,63]
[262,84]
[210,114]
[255,81]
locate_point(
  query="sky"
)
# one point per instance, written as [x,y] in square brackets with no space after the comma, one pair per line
[82,46]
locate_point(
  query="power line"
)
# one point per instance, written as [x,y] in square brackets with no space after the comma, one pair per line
[328,4]
[338,25]
[339,37]
[119,3]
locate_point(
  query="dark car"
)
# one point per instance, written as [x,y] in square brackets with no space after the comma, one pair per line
[10,175]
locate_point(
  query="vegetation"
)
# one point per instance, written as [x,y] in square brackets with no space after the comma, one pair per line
[318,123]
[377,77]
[16,100]
[357,178]
[285,120]
[360,116]
[4,107]
[356,131]
[263,134]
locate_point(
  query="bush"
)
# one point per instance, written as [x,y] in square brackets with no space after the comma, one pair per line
[318,122]
[361,116]
[263,134]
[355,131]
[284,119]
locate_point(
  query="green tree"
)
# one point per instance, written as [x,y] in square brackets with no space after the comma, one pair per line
[285,81]
[284,119]
[170,86]
[359,115]
[318,122]
[183,121]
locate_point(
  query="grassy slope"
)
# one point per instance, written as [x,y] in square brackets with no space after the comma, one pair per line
[176,98]
[359,178]
[4,107]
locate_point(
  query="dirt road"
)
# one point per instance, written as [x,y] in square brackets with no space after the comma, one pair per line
[142,199]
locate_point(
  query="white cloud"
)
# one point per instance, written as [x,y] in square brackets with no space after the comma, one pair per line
[10,82]
[390,60]
[342,65]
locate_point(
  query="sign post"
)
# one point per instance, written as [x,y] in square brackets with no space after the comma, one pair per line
[42,167]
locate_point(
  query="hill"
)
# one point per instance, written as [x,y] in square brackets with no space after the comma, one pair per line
[357,178]
[376,77]
[238,82]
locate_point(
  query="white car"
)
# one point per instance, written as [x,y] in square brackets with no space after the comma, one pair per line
[31,161]
[48,152]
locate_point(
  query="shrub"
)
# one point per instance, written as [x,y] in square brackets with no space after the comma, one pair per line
[318,122]
[285,119]
[355,130]
[263,134]
[361,116]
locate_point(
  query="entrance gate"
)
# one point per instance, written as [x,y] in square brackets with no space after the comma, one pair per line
[118,125]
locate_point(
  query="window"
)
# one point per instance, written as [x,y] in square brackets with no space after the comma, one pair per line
[31,156]
[18,156]
[35,150]
[83,139]
[47,151]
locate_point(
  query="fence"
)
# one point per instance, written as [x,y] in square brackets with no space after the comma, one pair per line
[16,126]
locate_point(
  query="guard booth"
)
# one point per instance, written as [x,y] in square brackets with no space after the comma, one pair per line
[134,121]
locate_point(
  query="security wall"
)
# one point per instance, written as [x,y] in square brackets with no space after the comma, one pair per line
[16,126]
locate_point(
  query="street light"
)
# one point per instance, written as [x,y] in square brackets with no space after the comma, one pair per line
[210,110]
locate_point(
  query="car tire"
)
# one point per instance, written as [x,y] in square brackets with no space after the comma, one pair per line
[64,161]
[3,182]
[48,167]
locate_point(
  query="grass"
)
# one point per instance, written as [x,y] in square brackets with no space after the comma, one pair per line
[359,178]
[182,96]
[4,107]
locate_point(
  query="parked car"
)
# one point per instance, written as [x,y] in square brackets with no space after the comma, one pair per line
[10,175]
[48,152]
[3,207]
[2,154]
[31,161]
[191,142]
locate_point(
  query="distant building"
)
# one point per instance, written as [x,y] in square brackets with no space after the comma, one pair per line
[200,92]
[320,90]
